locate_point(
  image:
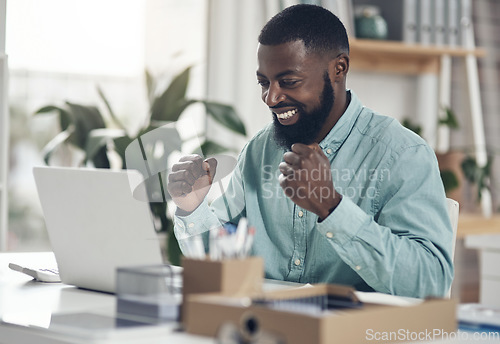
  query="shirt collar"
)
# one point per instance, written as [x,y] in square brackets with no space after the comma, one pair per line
[336,137]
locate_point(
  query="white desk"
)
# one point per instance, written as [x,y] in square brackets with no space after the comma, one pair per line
[24,301]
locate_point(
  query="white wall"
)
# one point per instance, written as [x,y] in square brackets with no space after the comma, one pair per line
[233,29]
[389,94]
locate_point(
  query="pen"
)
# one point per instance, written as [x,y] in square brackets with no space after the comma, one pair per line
[213,247]
[249,241]
[229,228]
[228,241]
[195,247]
[240,237]
[226,246]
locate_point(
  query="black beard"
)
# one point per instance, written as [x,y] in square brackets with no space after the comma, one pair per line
[307,128]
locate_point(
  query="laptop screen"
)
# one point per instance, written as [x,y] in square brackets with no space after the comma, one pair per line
[95,224]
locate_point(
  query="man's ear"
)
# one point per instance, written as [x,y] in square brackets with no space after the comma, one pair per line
[338,67]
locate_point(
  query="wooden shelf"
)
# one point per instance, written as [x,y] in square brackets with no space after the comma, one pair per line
[399,57]
[473,224]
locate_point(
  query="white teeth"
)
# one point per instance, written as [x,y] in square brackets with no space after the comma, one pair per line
[286,115]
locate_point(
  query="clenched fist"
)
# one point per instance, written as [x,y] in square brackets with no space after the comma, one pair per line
[190,181]
[306,179]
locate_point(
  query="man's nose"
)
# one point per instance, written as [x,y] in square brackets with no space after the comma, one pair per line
[274,96]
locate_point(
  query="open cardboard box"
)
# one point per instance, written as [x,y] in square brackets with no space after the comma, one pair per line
[227,277]
[208,312]
[230,277]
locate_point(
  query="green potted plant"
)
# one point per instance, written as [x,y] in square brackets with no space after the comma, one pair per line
[477,175]
[449,161]
[83,128]
[457,167]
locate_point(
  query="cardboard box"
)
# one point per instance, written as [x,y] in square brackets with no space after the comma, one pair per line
[233,277]
[207,312]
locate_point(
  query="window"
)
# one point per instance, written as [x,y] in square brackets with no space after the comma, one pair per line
[61,50]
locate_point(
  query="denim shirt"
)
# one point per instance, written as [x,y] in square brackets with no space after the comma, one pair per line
[390,233]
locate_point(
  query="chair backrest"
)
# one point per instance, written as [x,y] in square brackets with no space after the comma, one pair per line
[453,209]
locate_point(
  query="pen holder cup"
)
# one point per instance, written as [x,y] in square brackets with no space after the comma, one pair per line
[230,277]
[149,293]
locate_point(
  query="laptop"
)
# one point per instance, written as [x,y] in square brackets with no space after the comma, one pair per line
[95,224]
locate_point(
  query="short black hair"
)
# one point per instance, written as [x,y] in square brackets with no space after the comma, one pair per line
[319,29]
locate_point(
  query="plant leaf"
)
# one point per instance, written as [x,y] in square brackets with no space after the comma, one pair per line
[48,108]
[100,159]
[407,123]
[94,144]
[108,106]
[99,138]
[65,118]
[173,250]
[86,119]
[225,115]
[450,180]
[450,120]
[166,106]
[157,145]
[121,144]
[210,148]
[470,169]
[60,138]
[150,87]
[484,177]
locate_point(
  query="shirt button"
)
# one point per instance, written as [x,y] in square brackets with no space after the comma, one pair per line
[191,225]
[358,267]
[329,151]
[301,213]
[297,262]
[329,235]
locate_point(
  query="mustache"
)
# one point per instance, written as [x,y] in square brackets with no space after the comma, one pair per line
[284,105]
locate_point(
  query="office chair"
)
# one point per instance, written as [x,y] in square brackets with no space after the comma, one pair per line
[453,210]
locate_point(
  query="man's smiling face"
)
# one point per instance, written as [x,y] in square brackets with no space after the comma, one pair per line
[296,88]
